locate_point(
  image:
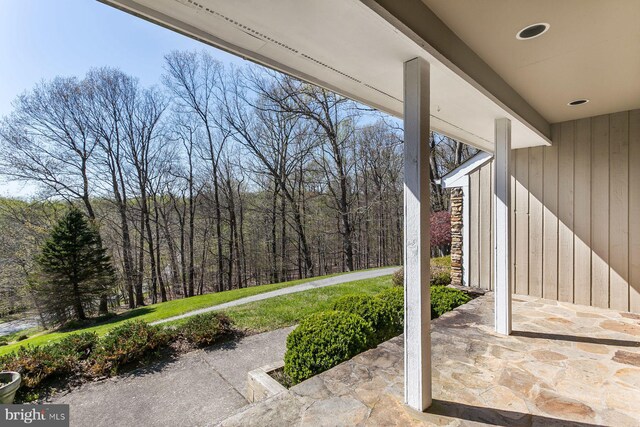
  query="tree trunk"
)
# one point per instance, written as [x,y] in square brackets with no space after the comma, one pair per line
[77,305]
[140,278]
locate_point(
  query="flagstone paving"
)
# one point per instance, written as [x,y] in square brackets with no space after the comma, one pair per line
[564,365]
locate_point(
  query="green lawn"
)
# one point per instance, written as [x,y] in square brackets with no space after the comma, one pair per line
[161,311]
[289,309]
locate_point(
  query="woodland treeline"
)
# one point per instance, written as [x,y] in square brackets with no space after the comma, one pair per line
[216,178]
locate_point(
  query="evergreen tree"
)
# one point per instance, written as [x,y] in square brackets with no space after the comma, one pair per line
[74,268]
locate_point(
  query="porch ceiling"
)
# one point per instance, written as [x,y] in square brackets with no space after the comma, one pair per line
[348,47]
[591,50]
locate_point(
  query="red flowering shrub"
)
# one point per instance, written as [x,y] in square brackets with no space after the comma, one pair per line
[440,229]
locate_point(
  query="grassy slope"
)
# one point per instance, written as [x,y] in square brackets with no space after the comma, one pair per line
[288,310]
[161,311]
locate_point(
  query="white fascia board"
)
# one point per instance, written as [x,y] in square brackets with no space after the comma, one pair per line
[456,178]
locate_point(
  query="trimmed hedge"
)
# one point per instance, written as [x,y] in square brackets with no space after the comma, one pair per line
[84,354]
[445,299]
[322,341]
[205,329]
[440,276]
[394,299]
[128,343]
[373,310]
[42,363]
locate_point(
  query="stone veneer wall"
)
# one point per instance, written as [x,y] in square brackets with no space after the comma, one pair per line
[456,236]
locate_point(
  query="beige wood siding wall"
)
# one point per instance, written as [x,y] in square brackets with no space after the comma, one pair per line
[481,231]
[576,215]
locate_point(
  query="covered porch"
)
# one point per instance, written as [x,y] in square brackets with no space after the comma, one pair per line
[470,70]
[563,365]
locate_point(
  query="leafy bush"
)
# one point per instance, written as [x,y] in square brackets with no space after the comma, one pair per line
[128,343]
[373,310]
[394,299]
[442,278]
[322,341]
[22,337]
[3,341]
[205,329]
[445,299]
[398,277]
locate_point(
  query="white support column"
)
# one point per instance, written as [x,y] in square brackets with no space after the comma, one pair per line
[502,226]
[417,301]
[466,233]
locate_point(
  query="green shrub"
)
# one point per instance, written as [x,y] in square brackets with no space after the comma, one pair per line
[322,341]
[128,343]
[78,345]
[398,277]
[440,272]
[3,341]
[445,299]
[205,329]
[36,364]
[394,299]
[22,337]
[373,310]
[442,278]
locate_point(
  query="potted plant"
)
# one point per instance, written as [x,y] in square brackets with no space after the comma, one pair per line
[9,383]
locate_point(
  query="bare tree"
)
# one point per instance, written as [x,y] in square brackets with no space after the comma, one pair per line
[195,79]
[334,119]
[278,140]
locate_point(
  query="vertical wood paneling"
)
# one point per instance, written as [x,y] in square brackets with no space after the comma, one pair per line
[634,211]
[565,211]
[522,221]
[485,227]
[600,211]
[575,216]
[619,211]
[474,230]
[535,220]
[582,213]
[550,220]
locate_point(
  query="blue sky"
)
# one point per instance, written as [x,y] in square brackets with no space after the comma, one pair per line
[41,39]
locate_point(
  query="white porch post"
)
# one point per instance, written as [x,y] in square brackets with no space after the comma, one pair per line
[417,301]
[466,233]
[502,226]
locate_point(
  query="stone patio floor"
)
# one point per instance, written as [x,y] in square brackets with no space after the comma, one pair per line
[564,365]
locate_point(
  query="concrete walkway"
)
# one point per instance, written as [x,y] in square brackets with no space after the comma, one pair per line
[197,389]
[314,284]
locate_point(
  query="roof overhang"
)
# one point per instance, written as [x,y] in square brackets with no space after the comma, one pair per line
[459,176]
[357,48]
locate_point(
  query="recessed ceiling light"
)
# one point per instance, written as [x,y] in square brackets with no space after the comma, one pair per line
[578,102]
[532,31]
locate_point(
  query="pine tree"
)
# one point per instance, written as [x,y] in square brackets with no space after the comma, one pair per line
[74,268]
